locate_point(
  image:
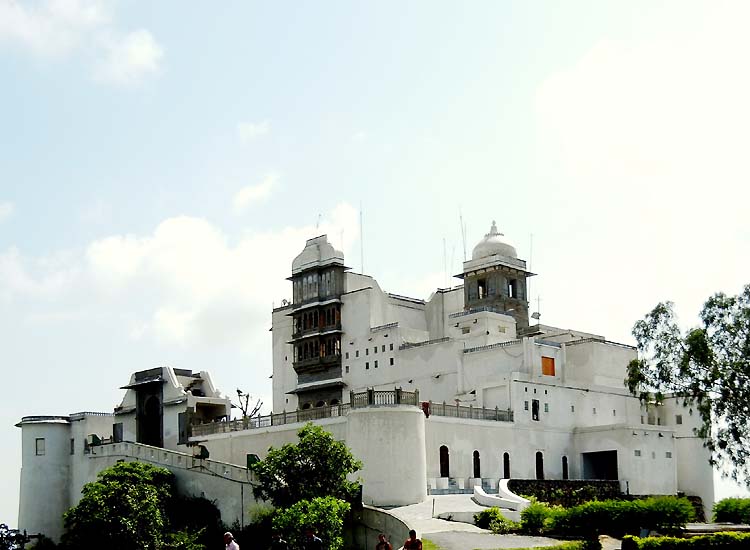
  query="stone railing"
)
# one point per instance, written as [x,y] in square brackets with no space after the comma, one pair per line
[278,419]
[409,345]
[493,346]
[470,412]
[379,398]
[171,459]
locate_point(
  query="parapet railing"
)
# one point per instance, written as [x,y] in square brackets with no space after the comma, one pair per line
[473,310]
[384,327]
[173,459]
[368,398]
[409,345]
[471,412]
[493,346]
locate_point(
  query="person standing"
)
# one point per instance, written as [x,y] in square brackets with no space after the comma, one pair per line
[229,542]
[413,543]
[383,543]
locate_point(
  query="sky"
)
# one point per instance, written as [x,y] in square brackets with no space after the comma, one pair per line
[161,164]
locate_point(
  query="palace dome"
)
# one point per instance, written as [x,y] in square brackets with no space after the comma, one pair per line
[493,243]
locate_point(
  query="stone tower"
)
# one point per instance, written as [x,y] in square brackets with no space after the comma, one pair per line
[318,283]
[495,278]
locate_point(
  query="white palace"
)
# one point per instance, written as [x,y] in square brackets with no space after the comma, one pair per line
[453,394]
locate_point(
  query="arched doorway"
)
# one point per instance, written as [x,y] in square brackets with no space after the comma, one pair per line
[565,467]
[444,462]
[539,465]
[477,465]
[506,466]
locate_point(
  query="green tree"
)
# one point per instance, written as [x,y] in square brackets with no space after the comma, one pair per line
[317,466]
[708,367]
[324,514]
[124,509]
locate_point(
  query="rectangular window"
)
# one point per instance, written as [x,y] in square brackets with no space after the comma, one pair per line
[482,289]
[637,452]
[594,410]
[391,360]
[376,364]
[572,408]
[391,347]
[347,369]
[367,365]
[678,419]
[614,412]
[375,349]
[501,329]
[465,330]
[668,454]
[383,348]
[347,355]
[367,351]
[72,446]
[546,407]
[356,353]
[535,409]
[526,405]
[40,450]
[548,366]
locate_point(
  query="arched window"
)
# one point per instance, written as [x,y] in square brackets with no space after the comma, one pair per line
[334,402]
[444,462]
[565,467]
[477,468]
[305,406]
[506,466]
[320,404]
[539,465]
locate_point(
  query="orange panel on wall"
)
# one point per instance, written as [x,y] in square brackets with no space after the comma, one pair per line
[548,366]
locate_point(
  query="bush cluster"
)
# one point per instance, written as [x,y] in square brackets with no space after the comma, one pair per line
[732,510]
[725,541]
[493,519]
[587,521]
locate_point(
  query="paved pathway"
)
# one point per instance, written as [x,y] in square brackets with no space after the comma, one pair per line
[456,535]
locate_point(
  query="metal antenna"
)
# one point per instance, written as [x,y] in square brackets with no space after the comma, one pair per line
[361,241]
[463,230]
[445,264]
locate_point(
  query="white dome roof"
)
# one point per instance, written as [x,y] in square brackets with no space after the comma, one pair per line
[317,252]
[494,243]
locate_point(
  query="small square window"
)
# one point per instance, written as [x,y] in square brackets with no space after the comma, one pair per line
[637,452]
[391,347]
[376,364]
[668,454]
[391,360]
[678,419]
[526,405]
[40,447]
[465,330]
[367,365]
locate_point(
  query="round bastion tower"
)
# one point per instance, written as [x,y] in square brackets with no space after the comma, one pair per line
[45,474]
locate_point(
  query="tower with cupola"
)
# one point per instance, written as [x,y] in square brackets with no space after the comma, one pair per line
[496,279]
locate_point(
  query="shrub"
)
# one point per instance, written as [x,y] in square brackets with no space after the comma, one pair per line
[732,510]
[324,514]
[725,541]
[537,516]
[617,518]
[485,517]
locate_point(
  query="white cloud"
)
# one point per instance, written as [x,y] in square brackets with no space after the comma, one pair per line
[248,131]
[254,193]
[130,58]
[58,28]
[6,210]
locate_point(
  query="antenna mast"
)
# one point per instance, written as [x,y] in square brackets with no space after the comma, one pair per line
[463,230]
[361,241]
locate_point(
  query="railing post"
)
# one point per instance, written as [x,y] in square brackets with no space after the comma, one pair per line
[497,413]
[471,410]
[398,396]
[416,397]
